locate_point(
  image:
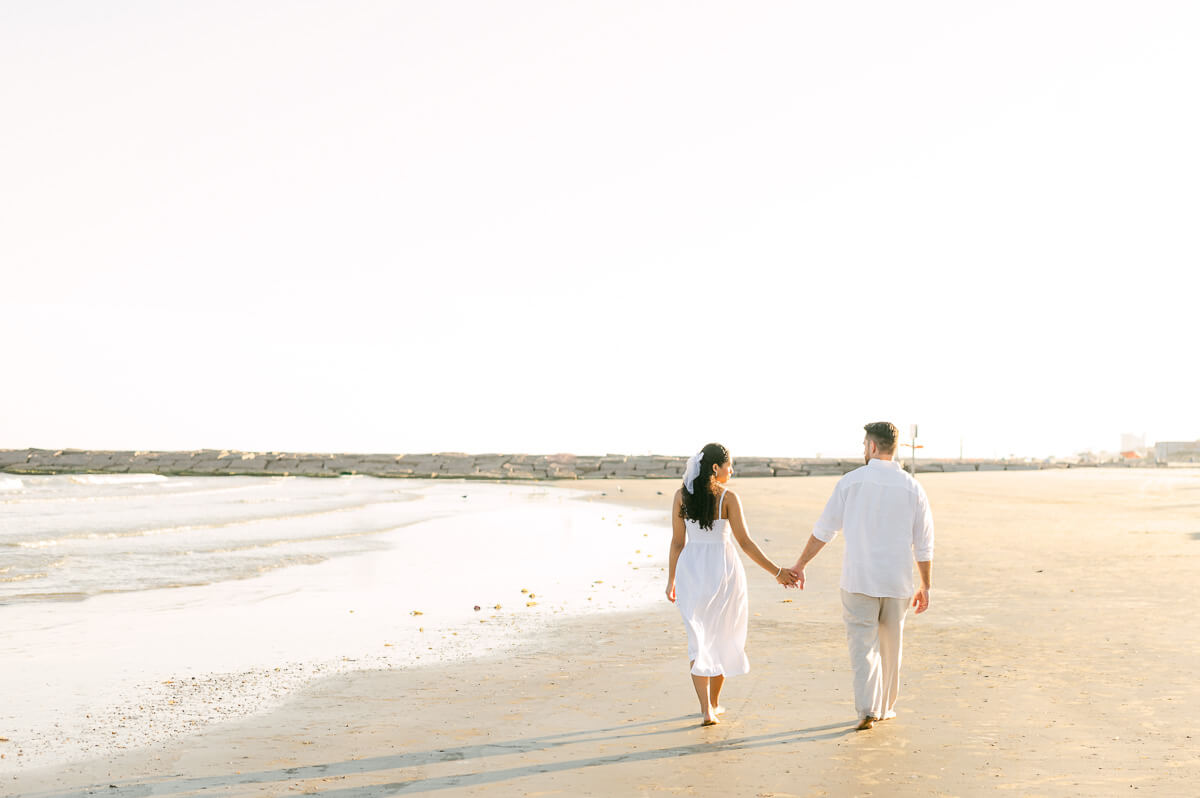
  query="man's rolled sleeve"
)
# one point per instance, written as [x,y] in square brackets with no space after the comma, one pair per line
[922,540]
[830,522]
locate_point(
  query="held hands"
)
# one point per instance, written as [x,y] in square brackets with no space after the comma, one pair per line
[788,578]
[798,571]
[921,600]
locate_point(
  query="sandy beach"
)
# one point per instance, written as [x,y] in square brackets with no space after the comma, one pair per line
[1059,657]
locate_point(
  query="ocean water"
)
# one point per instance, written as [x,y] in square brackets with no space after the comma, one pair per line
[68,537]
[136,608]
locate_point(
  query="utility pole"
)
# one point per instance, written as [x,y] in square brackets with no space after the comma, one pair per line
[913,446]
[914,449]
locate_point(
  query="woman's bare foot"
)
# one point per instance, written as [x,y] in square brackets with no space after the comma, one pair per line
[718,710]
[710,719]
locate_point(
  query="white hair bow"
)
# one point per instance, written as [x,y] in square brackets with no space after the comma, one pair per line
[692,471]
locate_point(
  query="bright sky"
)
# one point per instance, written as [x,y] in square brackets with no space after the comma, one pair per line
[593,227]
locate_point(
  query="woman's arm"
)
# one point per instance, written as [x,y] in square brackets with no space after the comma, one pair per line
[741,533]
[678,539]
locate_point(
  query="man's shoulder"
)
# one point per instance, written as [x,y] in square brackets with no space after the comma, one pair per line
[912,483]
[896,477]
[853,477]
[853,474]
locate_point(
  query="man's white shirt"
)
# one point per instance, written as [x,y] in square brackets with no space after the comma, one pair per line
[884,514]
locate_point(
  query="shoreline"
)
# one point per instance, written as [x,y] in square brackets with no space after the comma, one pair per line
[458,465]
[167,663]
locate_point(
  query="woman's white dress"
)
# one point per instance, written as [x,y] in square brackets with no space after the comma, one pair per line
[710,591]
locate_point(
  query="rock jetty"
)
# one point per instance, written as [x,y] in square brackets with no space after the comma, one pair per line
[455,465]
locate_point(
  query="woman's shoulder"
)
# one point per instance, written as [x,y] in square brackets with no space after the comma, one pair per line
[731,498]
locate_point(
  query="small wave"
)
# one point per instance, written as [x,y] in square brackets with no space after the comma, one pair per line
[167,530]
[116,479]
[11,484]
[23,597]
[22,577]
[126,497]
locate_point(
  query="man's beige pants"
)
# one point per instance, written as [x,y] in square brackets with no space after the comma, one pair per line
[874,629]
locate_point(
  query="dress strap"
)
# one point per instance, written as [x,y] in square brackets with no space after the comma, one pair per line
[721,502]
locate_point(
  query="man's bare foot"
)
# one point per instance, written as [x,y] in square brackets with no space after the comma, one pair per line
[865,723]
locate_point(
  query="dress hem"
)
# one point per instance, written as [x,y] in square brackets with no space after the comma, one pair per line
[720,673]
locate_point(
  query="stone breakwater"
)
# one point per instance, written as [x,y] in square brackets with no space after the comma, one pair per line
[454,465]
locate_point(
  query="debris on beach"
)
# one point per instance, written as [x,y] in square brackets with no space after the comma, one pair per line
[416,612]
[524,590]
[477,608]
[533,595]
[530,603]
[497,607]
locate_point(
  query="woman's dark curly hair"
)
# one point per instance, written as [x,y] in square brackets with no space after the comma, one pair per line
[701,504]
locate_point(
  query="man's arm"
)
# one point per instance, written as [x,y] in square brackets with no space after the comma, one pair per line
[923,550]
[814,545]
[921,599]
[824,530]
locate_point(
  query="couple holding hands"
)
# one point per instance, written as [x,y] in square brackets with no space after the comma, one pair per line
[884,515]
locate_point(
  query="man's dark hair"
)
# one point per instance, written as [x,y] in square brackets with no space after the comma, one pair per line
[884,434]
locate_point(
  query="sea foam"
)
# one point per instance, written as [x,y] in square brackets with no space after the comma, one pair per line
[116,479]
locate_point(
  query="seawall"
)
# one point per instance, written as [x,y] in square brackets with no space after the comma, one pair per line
[448,464]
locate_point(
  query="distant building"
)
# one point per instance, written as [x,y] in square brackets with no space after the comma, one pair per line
[1177,451]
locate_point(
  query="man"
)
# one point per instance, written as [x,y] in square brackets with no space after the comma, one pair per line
[885,516]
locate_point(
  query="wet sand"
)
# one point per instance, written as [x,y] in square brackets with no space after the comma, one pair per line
[1059,657]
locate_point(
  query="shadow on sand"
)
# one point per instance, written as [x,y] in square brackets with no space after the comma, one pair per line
[381,764]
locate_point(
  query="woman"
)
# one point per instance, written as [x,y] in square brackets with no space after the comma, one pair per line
[711,580]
